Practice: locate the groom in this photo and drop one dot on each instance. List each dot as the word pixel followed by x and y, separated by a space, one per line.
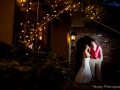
pixel 95 60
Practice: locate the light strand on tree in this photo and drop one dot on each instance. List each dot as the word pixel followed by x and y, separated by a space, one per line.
pixel 48 14
pixel 60 12
pixel 107 26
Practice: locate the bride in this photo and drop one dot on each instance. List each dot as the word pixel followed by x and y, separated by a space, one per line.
pixel 84 74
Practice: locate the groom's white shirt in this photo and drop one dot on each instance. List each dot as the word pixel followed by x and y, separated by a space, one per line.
pixel 101 53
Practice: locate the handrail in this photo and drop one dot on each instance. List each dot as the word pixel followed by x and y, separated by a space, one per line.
pixel 107 26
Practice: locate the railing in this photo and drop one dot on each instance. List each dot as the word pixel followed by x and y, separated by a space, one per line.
pixel 107 26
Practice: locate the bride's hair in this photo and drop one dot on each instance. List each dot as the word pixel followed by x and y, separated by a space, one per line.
pixel 93 40
pixel 85 46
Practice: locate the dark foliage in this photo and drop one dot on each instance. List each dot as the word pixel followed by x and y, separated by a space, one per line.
pixel 20 71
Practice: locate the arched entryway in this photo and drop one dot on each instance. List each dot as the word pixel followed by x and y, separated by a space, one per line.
pixel 79 50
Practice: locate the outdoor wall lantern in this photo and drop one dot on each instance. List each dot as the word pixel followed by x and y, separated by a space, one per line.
pixel 23 1
pixel 73 35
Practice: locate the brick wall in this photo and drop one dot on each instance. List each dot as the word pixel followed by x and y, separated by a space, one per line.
pixel 109 44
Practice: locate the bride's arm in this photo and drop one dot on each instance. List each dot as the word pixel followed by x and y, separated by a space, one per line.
pixel 87 54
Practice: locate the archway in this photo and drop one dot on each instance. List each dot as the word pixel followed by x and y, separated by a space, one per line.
pixel 79 50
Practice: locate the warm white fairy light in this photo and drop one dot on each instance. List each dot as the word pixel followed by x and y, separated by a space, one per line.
pixel 27 10
pixel 20 37
pixel 50 17
pixel 36 35
pixel 54 16
pixel 44 27
pixel 26 53
pixel 61 12
pixel 91 18
pixel 75 10
pixel 30 3
pixel 37 23
pixel 74 6
pixel 21 23
pixel 22 30
pixel 22 4
pixel 66 9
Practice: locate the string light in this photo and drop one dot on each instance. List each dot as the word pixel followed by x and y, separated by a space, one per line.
pixel 74 6
pixel 37 23
pixel 22 4
pixel 44 27
pixel 75 10
pixel 48 18
pixel 21 23
pixel 26 53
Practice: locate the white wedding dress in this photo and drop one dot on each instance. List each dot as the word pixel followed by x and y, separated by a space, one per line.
pixel 84 74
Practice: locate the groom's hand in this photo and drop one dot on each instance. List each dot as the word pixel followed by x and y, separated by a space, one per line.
pixel 101 59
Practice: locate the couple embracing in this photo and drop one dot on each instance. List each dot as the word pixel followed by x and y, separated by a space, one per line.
pixel 92 57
